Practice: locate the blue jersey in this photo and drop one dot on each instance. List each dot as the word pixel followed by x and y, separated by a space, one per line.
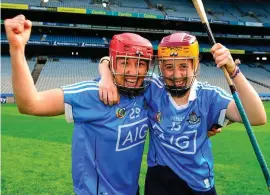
pixel 108 141
pixel 178 134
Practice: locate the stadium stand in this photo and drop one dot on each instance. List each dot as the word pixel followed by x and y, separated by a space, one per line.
pixel 155 44
pixel 76 39
pixel 66 38
pixel 227 11
pixel 6 84
pixel 59 71
pixel 132 4
pixel 29 2
pixel 217 11
pixel 64 71
pixel 177 8
pixel 75 4
pixel 105 40
pixel 134 10
pixel 259 14
pixel 212 75
pixel 257 74
pixel 56 3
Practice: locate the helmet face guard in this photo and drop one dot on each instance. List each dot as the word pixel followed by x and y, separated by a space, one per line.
pixel 178 86
pixel 131 63
pixel 178 49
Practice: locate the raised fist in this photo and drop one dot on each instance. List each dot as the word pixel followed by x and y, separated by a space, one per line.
pixel 18 31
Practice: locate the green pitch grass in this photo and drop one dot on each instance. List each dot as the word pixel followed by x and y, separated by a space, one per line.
pixel 36 156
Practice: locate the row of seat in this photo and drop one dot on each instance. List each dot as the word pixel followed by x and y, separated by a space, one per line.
pixel 229 11
pixel 105 40
pixel 71 70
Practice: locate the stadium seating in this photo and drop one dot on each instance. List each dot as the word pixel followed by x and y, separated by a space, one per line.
pixel 131 3
pixel 66 38
pixel 218 12
pixel 66 71
pixel 6 82
pixel 55 3
pixel 227 11
pixel 257 74
pixel 76 39
pixel 214 76
pixel 259 13
pixel 155 44
pixel 29 2
pixel 104 40
pixel 176 8
pixel 76 4
pixel 35 37
pixel 70 70
pixel 135 10
pixel 3 36
pixel 264 48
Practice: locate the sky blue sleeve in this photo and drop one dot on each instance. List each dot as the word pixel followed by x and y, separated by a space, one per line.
pixel 82 102
pixel 154 89
pixel 220 100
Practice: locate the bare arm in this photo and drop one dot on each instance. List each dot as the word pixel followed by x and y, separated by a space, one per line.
pixel 29 100
pixel 108 92
pixel 104 67
pixel 250 99
pixel 251 102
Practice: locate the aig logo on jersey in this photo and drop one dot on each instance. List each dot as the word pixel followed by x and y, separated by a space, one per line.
pixel 130 135
pixel 184 142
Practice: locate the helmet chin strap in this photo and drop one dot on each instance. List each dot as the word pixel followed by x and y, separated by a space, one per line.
pixel 130 92
pixel 177 92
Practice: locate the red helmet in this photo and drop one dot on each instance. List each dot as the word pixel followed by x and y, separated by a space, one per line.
pixel 130 45
pixel 179 46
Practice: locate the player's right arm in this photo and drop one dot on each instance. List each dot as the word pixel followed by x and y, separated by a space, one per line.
pixel 28 99
pixel 108 92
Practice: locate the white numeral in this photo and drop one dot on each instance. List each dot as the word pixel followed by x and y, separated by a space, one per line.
pixel 176 126
pixel 135 113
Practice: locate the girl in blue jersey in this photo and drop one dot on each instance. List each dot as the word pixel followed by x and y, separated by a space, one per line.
pixel 108 141
pixel 181 110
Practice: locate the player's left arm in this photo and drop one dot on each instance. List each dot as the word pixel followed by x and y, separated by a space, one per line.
pixel 249 97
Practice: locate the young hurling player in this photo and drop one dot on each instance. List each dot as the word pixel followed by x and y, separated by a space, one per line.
pixel 181 110
pixel 108 142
